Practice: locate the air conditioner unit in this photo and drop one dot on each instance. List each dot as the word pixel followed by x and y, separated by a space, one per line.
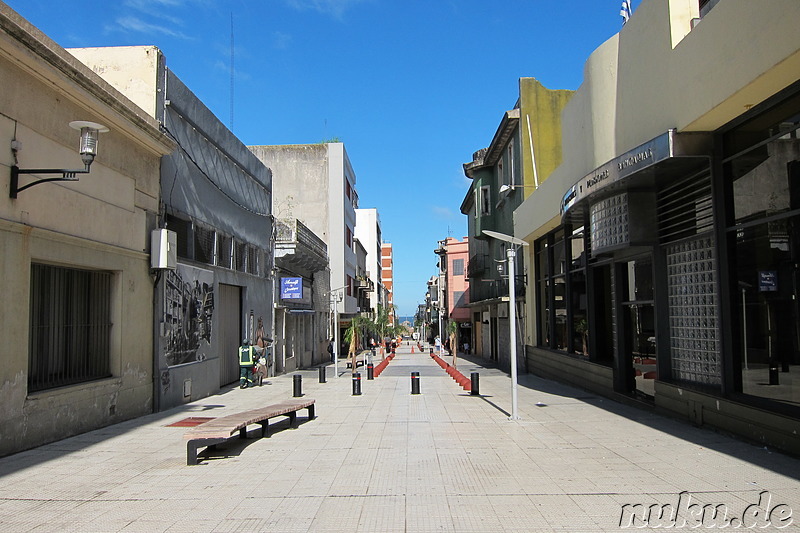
pixel 163 249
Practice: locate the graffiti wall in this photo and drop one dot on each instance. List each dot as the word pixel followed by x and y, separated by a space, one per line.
pixel 188 311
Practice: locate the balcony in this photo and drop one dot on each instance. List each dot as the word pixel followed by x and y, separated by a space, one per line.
pixel 296 246
pixel 492 289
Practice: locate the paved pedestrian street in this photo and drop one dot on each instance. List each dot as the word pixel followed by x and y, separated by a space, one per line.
pixel 390 461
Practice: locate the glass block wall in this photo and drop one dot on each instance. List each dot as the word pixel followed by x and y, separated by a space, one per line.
pixel 608 220
pixel 693 317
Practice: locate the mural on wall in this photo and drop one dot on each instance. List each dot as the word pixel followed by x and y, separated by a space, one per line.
pixel 188 309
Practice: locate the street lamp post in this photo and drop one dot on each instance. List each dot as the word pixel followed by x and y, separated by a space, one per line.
pixel 337 297
pixel 512 310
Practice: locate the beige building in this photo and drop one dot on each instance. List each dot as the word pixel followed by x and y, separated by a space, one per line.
pixel 76 317
pixel 664 249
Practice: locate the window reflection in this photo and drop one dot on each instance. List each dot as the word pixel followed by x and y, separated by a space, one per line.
pixel 764 175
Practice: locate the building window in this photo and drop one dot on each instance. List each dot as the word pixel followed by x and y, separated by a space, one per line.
pixel 224 251
pixel 458 299
pixel 70 326
pixel 512 177
pixel 762 172
pixel 458 267
pixel 485 200
pixel 349 237
pixel 561 291
pixel 204 244
pixel 347 188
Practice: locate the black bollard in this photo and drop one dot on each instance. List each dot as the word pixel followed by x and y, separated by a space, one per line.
pixel 370 371
pixel 475 385
pixel 322 376
pixel 298 385
pixel 431 352
pixel 773 374
pixel 357 384
pixel 415 383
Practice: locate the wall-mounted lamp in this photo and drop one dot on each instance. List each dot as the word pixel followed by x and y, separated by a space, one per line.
pixel 506 187
pixel 88 149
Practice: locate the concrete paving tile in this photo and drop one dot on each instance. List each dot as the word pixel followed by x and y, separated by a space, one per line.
pixel 390 461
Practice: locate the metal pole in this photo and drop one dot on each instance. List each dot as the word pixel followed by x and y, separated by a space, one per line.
pixel 512 317
pixel 336 335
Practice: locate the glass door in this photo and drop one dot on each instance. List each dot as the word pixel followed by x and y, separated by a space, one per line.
pixel 639 325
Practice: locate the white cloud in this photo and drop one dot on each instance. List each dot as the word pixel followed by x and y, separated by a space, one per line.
pixel 281 41
pixel 334 8
pixel 442 212
pixel 134 24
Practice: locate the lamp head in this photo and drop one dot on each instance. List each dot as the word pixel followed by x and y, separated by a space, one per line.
pixel 90 131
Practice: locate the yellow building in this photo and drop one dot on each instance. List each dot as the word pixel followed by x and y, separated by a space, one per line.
pixel 664 249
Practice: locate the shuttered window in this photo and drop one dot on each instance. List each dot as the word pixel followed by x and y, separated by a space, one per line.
pixel 70 326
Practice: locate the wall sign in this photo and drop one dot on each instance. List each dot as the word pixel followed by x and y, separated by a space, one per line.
pixel 291 288
pixel 767 280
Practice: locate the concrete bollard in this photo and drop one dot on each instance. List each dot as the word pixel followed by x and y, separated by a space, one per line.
pixel 415 383
pixel 322 375
pixel 298 385
pixel 357 384
pixel 474 386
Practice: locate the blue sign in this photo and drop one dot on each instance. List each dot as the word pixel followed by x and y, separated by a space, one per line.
pixel 291 288
pixel 767 280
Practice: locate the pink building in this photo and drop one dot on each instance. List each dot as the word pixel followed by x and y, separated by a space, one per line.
pixel 457 254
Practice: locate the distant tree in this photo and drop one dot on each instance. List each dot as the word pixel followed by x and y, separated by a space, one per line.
pixel 452 329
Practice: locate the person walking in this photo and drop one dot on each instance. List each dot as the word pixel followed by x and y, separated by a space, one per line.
pixel 247 356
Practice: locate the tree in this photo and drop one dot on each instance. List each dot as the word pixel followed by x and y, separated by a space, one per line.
pixel 452 329
pixel 354 334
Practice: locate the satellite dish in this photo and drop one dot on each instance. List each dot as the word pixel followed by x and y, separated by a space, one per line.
pixel 503 237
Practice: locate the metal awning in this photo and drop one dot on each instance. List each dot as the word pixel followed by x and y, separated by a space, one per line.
pixel 669 154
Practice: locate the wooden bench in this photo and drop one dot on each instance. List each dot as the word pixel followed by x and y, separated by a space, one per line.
pixel 221 429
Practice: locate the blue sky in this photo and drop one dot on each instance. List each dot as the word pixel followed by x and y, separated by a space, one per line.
pixel 411 87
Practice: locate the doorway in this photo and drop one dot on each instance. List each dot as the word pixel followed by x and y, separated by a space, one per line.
pixel 637 334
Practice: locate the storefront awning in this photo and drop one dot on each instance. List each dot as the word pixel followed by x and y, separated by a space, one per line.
pixel 670 154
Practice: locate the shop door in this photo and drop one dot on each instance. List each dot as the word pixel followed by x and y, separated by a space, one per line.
pixel 637 331
pixel 230 332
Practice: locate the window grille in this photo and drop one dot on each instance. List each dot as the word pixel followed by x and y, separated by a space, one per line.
pixel 224 251
pixel 204 245
pixel 240 256
pixel 70 326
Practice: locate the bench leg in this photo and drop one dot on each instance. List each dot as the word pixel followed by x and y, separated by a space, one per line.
pixel 193 445
pixel 243 433
pixel 191 453
pixel 264 428
pixel 292 418
pixel 311 412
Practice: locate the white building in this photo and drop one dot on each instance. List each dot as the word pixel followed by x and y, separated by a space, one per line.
pixel 315 184
pixel 368 232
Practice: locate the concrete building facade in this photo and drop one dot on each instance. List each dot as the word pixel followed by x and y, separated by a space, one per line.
pixel 216 197
pixel 368 232
pixel 316 184
pixel 387 278
pixel 77 312
pixel 524 149
pixel 663 249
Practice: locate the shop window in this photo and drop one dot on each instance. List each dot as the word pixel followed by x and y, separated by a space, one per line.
pixel 70 326
pixel 763 173
pixel 561 292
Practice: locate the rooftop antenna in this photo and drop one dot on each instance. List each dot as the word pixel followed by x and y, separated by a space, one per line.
pixel 231 122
